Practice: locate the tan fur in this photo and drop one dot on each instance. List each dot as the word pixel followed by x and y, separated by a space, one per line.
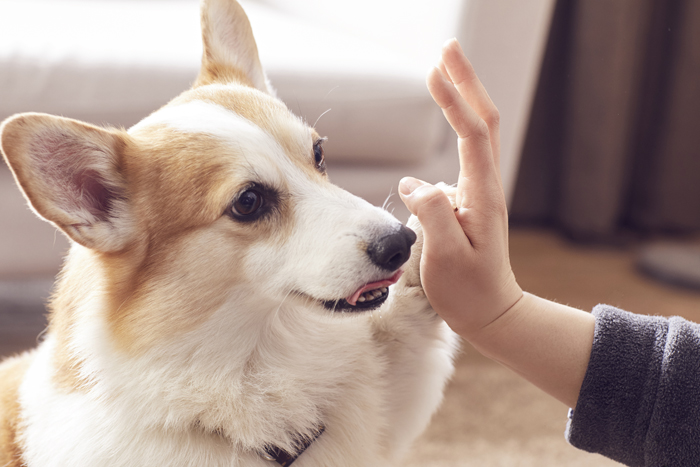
pixel 70 289
pixel 61 322
pixel 11 373
pixel 217 73
pixel 264 111
pixel 217 68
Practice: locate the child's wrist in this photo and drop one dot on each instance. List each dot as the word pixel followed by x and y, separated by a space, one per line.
pixel 489 335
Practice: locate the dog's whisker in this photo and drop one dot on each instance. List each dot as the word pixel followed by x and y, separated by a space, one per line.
pixel 319 117
pixel 329 92
pixel 387 203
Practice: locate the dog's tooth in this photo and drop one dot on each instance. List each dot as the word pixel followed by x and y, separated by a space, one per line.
pixel 361 298
pixel 384 289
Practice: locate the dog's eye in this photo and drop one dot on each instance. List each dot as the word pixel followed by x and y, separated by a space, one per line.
pixel 247 204
pixel 319 157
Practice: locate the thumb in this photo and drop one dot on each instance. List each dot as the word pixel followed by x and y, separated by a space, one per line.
pixel 431 206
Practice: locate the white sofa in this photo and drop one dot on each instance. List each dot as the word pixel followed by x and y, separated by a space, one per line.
pixel 115 61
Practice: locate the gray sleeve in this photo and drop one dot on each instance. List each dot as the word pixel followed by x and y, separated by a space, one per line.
pixel 640 399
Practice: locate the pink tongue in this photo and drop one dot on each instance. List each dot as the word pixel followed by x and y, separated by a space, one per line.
pixel 352 299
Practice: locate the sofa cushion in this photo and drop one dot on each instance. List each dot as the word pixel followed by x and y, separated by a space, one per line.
pixel 114 62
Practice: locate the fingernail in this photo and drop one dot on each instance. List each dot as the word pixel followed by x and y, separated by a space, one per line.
pixel 408 185
pixel 448 43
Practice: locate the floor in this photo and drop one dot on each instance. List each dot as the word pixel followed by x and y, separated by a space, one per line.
pixel 490 417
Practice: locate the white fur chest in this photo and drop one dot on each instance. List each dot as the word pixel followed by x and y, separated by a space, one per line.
pixel 179 407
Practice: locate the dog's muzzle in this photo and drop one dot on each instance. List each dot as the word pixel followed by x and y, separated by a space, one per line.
pixel 388 253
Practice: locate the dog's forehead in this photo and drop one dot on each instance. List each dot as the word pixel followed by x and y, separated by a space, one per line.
pixel 253 123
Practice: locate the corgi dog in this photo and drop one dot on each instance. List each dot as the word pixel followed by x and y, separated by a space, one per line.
pixel 222 303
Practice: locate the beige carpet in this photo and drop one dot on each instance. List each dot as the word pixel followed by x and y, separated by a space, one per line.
pixel 490 416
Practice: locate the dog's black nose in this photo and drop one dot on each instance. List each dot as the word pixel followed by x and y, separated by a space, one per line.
pixel 393 250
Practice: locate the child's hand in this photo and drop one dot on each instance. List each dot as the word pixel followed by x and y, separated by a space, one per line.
pixel 465 268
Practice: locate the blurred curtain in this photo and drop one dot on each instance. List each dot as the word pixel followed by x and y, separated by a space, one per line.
pixel 614 139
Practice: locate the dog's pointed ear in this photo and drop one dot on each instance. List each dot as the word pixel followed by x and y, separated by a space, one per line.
pixel 70 172
pixel 230 53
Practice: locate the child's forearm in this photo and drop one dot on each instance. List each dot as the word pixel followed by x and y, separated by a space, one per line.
pixel 547 343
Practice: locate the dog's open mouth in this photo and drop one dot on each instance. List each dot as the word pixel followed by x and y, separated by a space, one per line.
pixel 367 297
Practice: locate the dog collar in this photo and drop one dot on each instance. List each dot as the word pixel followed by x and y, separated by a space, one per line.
pixel 282 457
